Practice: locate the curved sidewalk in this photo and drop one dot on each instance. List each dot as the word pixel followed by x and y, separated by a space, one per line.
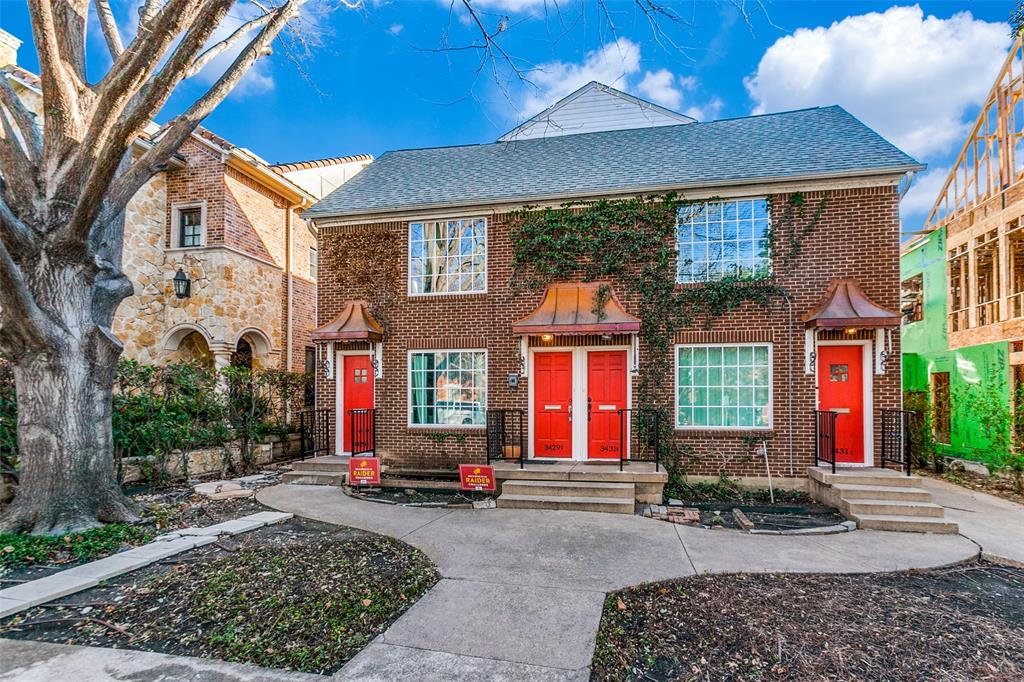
pixel 522 590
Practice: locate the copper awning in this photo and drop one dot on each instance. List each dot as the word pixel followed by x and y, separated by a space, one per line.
pixel 355 323
pixel 568 309
pixel 845 305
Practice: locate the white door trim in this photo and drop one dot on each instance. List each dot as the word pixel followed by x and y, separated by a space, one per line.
pixel 580 376
pixel 339 396
pixel 868 380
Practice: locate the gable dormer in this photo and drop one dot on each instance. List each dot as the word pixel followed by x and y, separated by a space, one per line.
pixel 594 108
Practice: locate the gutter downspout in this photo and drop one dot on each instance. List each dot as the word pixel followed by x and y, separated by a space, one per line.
pixel 789 379
pixel 288 274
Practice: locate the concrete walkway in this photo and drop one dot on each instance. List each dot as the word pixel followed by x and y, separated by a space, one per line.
pixel 522 590
pixel 997 525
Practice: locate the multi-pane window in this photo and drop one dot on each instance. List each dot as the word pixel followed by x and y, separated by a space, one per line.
pixel 447 388
pixel 719 239
pixel 314 261
pixel 723 386
pixel 448 256
pixel 190 226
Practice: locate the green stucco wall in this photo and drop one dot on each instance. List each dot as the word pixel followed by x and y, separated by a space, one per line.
pixel 926 349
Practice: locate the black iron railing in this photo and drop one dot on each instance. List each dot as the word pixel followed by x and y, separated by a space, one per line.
pixel 314 433
pixel 506 436
pixel 640 436
pixel 897 440
pixel 825 437
pixel 362 424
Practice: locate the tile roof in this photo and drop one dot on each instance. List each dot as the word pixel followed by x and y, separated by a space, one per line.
pixel 319 163
pixel 819 142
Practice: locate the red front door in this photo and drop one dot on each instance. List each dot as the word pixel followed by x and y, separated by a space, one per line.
pixel 841 389
pixel 358 391
pixel 606 395
pixel 552 405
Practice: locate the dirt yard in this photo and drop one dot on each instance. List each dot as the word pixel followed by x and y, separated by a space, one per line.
pixel 962 623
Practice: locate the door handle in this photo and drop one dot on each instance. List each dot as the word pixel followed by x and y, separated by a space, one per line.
pixel 588 408
pixel 570 413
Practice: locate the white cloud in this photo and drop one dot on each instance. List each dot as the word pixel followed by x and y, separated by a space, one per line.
pixel 509 5
pixel 661 88
pixel 922 194
pixel 616 64
pixel 910 77
pixel 395 29
pixel 610 64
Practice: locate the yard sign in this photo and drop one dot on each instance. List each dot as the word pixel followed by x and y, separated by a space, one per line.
pixel 477 477
pixel 364 471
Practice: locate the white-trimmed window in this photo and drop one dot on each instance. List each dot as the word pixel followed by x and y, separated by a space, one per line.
pixel 719 239
pixel 447 387
pixel 314 261
pixel 724 386
pixel 188 225
pixel 448 256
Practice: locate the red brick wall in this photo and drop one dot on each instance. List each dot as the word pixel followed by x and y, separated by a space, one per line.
pixel 857 236
pixel 202 179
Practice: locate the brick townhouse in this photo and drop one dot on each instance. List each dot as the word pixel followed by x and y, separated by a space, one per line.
pixel 227 226
pixel 422 330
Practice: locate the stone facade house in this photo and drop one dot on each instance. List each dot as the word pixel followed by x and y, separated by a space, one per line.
pixel 432 355
pixel 230 223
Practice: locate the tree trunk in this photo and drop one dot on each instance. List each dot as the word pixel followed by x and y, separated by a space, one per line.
pixel 67 480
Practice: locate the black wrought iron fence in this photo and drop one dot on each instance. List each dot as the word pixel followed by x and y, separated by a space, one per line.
pixel 362 425
pixel 825 437
pixel 506 435
pixel 314 433
pixel 897 438
pixel 640 436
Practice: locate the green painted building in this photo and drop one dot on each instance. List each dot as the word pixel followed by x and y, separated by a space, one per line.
pixel 930 367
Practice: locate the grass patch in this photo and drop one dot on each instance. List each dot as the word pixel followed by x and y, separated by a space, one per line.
pixel 22 549
pixel 960 623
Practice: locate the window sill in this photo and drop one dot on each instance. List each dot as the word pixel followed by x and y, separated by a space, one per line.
pixel 428 429
pixel 468 296
pixel 726 431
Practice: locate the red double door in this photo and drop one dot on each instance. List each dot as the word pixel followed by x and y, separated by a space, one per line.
pixel 559 411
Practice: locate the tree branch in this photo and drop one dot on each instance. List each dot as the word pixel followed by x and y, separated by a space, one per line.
pixel 170 139
pixel 18 171
pixel 23 119
pixel 25 326
pixel 60 95
pixel 214 51
pixel 71 16
pixel 14 232
pixel 146 103
pixel 109 26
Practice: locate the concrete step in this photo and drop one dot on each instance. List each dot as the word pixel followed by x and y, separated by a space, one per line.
pixel 849 491
pixel 569 489
pixel 334 465
pixel 893 508
pixel 880 477
pixel 314 478
pixel 615 505
pixel 912 524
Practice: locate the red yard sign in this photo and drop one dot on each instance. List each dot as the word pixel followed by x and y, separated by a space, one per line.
pixel 477 477
pixel 364 471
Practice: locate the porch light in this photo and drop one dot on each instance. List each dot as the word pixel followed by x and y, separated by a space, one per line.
pixel 851 330
pixel 546 337
pixel 182 284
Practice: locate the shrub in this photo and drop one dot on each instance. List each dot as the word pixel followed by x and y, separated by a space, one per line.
pixel 8 423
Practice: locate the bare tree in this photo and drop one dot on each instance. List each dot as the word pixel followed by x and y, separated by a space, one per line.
pixel 63 191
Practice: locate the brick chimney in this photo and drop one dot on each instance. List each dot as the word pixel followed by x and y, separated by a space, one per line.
pixel 8 49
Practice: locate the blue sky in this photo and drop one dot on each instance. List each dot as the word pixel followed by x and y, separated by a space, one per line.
pixel 914 72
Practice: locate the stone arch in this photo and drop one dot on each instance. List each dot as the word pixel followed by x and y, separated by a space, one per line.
pixel 257 339
pixel 176 334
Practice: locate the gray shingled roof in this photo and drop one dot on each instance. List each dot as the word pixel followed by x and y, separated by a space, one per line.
pixel 819 142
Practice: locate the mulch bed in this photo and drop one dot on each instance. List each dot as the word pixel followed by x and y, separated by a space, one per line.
pixel 766 516
pixel 300 595
pixel 421 496
pixel 1000 486
pixel 959 623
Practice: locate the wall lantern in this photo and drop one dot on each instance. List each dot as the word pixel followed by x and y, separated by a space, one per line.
pixel 182 284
